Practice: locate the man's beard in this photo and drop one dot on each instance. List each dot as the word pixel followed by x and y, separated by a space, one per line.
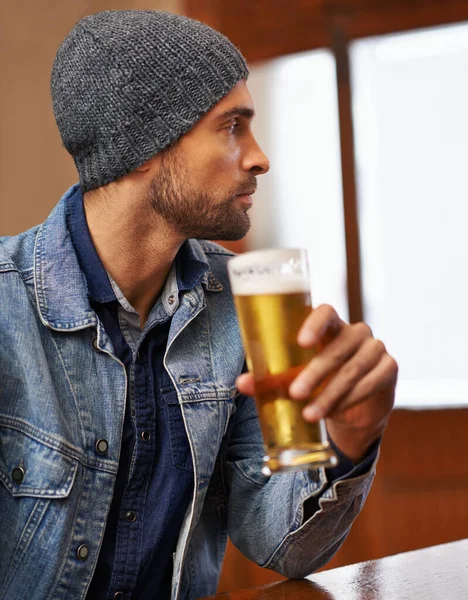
pixel 194 213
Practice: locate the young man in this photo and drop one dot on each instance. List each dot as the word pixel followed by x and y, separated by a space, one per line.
pixel 129 446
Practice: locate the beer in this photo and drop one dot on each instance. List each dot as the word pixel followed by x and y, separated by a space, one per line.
pixel 272 297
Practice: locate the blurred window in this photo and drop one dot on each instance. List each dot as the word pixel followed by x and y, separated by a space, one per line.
pixel 410 108
pixel 410 105
pixel 299 203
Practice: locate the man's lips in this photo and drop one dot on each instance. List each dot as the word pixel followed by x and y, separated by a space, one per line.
pixel 249 192
pixel 246 198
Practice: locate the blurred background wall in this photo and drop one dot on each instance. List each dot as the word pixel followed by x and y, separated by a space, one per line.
pixel 362 110
pixel 34 168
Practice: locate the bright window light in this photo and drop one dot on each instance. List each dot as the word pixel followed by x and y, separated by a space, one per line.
pixel 411 125
pixel 299 203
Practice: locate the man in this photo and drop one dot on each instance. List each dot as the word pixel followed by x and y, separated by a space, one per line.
pixel 130 447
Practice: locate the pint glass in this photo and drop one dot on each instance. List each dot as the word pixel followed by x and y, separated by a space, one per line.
pixel 272 296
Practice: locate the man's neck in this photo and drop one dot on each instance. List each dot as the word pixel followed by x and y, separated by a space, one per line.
pixel 136 247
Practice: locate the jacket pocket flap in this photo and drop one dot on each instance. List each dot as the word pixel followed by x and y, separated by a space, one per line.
pixel 30 468
pixel 189 395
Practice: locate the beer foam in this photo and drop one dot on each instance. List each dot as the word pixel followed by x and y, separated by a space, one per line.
pixel 275 271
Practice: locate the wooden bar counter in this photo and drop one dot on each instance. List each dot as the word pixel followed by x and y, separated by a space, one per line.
pixel 435 573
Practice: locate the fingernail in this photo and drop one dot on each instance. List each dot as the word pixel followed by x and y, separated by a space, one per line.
pixel 312 413
pixel 298 388
pixel 306 337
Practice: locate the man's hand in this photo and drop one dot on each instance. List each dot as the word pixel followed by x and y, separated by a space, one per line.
pixel 359 395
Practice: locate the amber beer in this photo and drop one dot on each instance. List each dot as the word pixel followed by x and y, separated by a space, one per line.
pixel 272 297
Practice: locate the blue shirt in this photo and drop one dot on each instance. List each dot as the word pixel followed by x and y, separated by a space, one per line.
pixel 154 483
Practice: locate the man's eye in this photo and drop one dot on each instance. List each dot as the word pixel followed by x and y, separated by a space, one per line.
pixel 233 126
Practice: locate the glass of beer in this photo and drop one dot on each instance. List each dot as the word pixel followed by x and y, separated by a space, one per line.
pixel 272 296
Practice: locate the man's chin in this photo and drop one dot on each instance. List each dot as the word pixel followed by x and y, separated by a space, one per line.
pixel 231 234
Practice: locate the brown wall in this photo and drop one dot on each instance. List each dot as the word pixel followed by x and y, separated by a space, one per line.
pixel 34 168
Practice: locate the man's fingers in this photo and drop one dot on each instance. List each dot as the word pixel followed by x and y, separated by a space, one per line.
pixel 381 379
pixel 330 359
pixel 245 384
pixel 347 378
pixel 378 383
pixel 321 320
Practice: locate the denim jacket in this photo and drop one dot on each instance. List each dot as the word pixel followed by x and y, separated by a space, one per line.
pixel 62 389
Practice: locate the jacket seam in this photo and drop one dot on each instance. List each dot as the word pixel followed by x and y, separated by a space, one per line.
pixel 6 267
pixel 68 451
pixel 261 485
pixel 214 249
pixel 38 269
pixel 65 563
pixel 25 275
pixel 212 364
pixel 75 400
pixel 40 506
pixel 202 397
pixel 219 252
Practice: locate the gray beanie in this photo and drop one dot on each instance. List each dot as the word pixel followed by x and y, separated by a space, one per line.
pixel 126 84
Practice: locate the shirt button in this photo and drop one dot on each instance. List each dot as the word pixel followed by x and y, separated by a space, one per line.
pixel 130 516
pixel 171 299
pixel 82 552
pixel 145 436
pixel 119 595
pixel 18 475
pixel 102 446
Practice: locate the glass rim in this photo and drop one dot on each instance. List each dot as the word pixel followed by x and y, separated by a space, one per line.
pixel 267 256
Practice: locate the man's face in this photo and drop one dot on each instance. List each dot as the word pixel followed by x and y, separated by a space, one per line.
pixel 204 182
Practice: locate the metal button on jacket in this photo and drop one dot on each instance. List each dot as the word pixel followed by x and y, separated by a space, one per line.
pixel 82 552
pixel 131 516
pixel 18 475
pixel 145 436
pixel 171 299
pixel 119 595
pixel 102 446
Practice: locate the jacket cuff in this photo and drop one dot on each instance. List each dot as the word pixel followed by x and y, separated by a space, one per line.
pixel 346 469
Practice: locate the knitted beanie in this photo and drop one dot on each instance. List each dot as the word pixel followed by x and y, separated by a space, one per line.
pixel 126 84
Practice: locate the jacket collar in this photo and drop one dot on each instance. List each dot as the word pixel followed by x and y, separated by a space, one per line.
pixel 61 288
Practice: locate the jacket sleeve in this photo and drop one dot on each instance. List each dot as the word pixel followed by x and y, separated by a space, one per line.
pixel 266 514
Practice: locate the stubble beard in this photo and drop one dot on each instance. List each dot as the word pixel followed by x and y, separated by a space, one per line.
pixel 194 213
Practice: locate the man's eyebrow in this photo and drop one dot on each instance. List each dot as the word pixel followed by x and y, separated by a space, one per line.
pixel 237 111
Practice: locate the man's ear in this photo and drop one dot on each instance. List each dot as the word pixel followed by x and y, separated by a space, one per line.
pixel 145 170
pixel 146 166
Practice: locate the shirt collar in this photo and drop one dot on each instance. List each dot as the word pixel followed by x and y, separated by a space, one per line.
pixel 61 289
pixel 99 286
pixel 190 270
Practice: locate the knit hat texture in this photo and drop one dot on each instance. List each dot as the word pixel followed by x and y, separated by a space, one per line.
pixel 126 84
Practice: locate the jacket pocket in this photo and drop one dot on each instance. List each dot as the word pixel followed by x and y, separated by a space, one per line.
pixel 35 480
pixel 30 468
pixel 211 418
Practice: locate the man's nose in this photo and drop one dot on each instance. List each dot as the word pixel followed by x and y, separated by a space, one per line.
pixel 256 160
